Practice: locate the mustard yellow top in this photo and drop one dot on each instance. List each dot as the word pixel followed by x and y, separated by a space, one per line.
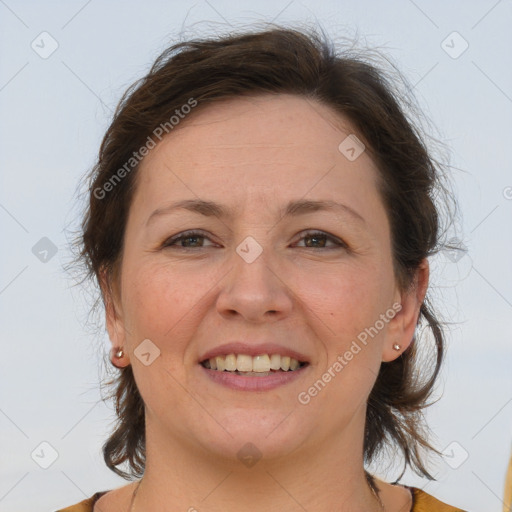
pixel 422 502
pixel 507 504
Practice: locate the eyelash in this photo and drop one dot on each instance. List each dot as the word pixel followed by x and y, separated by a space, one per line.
pixel 308 234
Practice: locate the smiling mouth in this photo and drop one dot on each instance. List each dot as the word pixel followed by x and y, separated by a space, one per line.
pixel 258 366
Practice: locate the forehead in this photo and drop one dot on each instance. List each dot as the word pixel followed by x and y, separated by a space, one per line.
pixel 282 121
pixel 261 145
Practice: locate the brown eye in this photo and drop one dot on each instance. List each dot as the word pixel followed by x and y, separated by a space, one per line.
pixel 320 240
pixel 187 240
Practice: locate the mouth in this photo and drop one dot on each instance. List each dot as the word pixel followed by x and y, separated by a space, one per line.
pixel 261 365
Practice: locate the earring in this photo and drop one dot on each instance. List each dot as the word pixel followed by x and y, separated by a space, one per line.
pixel 397 347
pixel 118 353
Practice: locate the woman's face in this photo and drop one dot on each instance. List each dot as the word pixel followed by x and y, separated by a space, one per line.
pixel 289 255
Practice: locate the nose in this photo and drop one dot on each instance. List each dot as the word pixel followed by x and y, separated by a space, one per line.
pixel 254 291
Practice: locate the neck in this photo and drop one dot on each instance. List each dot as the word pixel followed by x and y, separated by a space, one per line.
pixel 317 479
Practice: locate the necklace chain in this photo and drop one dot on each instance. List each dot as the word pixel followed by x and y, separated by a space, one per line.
pixel 377 497
pixel 132 502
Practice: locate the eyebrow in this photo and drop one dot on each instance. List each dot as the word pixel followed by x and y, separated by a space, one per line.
pixel 293 208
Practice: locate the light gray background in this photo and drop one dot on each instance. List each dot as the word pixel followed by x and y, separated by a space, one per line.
pixel 53 114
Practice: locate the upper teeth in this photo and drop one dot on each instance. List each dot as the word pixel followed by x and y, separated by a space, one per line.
pixel 246 363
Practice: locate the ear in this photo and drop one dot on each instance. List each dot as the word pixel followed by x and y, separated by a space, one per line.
pixel 114 320
pixel 401 328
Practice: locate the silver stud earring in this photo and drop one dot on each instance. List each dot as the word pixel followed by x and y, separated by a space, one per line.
pixel 119 354
pixel 397 347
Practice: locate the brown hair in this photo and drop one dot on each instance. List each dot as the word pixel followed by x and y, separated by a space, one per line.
pixel 279 61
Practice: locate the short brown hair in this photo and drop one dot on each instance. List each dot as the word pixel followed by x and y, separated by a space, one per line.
pixel 280 60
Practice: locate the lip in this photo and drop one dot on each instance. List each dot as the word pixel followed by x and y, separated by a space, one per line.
pixel 253 349
pixel 242 383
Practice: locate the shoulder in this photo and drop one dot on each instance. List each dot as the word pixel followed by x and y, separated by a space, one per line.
pixel 423 502
pixel 84 506
pixel 115 500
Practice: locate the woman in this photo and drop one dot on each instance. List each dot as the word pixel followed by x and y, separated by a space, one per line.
pixel 259 223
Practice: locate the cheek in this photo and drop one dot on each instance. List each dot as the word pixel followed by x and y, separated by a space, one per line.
pixel 166 302
pixel 344 307
pixel 155 299
pixel 346 299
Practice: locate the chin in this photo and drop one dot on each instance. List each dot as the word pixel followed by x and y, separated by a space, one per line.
pixel 251 435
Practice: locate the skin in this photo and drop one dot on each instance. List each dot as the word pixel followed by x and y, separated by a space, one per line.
pixel 253 155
